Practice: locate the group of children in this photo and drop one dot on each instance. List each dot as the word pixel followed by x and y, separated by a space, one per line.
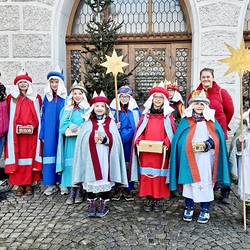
pixel 90 146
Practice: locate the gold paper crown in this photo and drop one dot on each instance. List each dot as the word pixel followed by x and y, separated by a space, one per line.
pixel 22 72
pixel 171 85
pixel 79 85
pixel 199 96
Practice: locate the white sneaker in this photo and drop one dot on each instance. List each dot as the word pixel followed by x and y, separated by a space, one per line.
pixel 64 190
pixel 50 190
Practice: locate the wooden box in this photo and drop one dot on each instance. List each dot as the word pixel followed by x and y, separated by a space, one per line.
pixel 151 146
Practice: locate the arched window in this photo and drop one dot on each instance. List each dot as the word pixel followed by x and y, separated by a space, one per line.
pixel 155 37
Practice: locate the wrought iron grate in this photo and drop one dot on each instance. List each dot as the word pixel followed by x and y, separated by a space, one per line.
pixel 165 17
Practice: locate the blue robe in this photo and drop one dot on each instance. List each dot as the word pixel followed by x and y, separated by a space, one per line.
pixel 66 145
pixel 183 168
pixel 49 133
pixel 128 122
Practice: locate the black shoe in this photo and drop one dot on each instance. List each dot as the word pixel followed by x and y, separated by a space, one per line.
pixel 226 199
pixel 117 195
pixel 127 195
pixel 157 205
pixel 148 206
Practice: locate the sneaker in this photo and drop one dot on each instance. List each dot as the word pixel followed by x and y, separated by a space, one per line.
pixel 117 195
pixel 127 195
pixel 5 186
pixel 79 195
pixel 157 207
pixel 103 209
pixel 148 206
pixel 188 214
pixel 91 207
pixel 50 190
pixel 64 190
pixel 204 216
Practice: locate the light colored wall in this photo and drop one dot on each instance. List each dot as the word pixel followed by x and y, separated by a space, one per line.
pixel 215 23
pixel 32 37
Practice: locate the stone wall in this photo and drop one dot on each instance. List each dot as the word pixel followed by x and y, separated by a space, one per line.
pixel 25 38
pixel 215 23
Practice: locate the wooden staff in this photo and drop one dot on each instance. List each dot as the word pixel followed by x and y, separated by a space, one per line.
pixel 116 98
pixel 242 153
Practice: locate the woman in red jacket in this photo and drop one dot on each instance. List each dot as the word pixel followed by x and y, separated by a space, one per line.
pixel 222 103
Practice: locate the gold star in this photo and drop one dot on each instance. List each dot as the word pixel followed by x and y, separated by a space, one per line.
pixel 114 64
pixel 239 60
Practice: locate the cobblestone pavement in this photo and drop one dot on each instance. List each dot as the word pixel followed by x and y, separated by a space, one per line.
pixel 40 222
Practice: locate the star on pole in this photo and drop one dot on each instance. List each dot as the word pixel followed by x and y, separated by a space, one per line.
pixel 239 59
pixel 114 64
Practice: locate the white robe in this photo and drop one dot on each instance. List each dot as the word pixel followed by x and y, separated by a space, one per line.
pixel 101 185
pixel 246 169
pixel 202 191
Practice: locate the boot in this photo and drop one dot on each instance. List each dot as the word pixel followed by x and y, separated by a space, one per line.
pixel 226 199
pixel 103 208
pixel 72 195
pixel 91 207
pixel 248 215
pixel 79 196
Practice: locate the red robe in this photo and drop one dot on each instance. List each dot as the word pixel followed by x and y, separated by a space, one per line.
pixel 23 160
pixel 221 102
pixel 154 185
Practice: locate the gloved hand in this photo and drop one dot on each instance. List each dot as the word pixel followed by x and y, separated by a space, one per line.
pixel 209 144
pixel 73 127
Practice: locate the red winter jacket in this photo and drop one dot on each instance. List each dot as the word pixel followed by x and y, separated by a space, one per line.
pixel 222 102
pixel 4 120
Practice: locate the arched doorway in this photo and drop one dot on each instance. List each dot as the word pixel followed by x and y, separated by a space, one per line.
pixel 156 39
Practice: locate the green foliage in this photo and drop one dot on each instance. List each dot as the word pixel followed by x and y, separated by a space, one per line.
pixel 101 40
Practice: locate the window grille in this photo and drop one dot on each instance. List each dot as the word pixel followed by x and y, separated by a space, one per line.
pixel 138 16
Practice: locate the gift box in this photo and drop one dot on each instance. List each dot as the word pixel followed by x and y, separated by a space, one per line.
pixel 28 129
pixel 151 146
pixel 198 146
pixel 68 132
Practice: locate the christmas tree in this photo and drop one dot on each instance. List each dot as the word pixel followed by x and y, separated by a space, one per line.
pixel 102 38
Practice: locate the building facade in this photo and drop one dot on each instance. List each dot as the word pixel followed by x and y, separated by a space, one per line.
pixel 37 35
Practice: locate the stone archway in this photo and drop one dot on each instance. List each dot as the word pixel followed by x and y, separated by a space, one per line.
pixel 61 20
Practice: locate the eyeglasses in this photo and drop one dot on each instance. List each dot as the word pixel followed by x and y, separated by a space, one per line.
pixel 158 97
pixel 124 96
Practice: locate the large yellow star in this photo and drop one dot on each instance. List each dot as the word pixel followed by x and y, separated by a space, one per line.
pixel 114 64
pixel 239 60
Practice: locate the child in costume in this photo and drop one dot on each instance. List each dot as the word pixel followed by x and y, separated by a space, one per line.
pixel 129 116
pixel 198 159
pixel 70 121
pixel 99 158
pixel 23 151
pixel 151 168
pixel 175 100
pixel 235 162
pixel 53 102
